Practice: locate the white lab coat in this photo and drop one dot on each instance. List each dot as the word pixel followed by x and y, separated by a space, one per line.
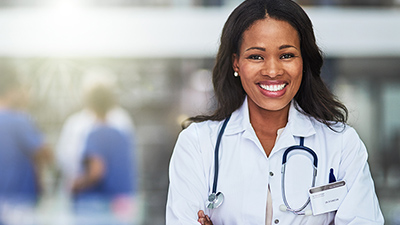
pixel 245 173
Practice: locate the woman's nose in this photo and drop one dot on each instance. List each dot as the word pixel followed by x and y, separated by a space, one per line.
pixel 272 68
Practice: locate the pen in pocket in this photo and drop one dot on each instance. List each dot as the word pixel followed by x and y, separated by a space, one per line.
pixel 331 176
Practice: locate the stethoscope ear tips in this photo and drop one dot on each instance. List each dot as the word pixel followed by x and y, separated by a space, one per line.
pixel 215 200
pixel 308 212
pixel 284 208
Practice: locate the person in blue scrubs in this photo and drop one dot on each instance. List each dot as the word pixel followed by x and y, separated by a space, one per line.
pixel 108 162
pixel 23 153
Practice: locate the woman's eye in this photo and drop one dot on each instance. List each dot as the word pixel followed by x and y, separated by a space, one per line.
pixel 256 57
pixel 287 56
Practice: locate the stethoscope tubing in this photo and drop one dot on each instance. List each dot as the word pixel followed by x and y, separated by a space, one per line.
pixel 300 147
pixel 216 154
pixel 298 211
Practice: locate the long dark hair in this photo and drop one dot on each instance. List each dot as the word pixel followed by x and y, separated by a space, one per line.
pixel 313 97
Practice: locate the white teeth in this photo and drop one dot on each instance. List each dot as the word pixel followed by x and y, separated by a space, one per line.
pixel 273 87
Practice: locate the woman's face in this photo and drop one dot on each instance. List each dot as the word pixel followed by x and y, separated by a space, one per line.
pixel 270 64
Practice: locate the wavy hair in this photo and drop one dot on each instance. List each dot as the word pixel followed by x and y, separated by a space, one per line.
pixel 313 96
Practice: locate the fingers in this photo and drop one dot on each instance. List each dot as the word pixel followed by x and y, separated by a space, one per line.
pixel 201 214
pixel 203 219
pixel 208 222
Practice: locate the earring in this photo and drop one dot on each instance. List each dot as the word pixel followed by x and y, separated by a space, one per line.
pixel 236 74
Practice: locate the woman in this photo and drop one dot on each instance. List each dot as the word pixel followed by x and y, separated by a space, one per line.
pixel 267 81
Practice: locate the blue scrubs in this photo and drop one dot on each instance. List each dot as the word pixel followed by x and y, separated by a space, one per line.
pixel 19 139
pixel 115 150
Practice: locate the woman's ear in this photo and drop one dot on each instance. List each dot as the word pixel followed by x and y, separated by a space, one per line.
pixel 235 62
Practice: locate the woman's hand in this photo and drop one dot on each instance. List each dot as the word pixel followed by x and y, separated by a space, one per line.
pixel 203 218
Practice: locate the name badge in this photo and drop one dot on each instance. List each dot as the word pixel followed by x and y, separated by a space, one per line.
pixel 327 198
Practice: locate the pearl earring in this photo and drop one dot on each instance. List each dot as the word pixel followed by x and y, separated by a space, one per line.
pixel 236 74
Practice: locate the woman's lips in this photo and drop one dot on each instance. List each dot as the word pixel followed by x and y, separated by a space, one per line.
pixel 273 89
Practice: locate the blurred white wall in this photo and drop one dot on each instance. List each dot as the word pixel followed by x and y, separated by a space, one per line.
pixel 71 31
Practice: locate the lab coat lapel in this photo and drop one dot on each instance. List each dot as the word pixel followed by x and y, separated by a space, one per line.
pixel 299 125
pixel 240 122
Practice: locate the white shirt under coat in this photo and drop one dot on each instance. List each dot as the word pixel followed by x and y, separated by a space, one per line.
pixel 245 173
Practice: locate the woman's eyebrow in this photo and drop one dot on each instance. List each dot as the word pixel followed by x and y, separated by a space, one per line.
pixel 255 48
pixel 286 46
pixel 263 49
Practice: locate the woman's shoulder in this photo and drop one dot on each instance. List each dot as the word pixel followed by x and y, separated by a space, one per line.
pixel 335 128
pixel 198 132
pixel 202 127
pixel 342 138
pixel 196 140
pixel 343 132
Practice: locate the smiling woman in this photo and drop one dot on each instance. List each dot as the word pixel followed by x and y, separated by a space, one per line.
pixel 268 86
pixel 270 67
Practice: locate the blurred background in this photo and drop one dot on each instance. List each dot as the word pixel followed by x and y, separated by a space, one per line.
pixel 157 55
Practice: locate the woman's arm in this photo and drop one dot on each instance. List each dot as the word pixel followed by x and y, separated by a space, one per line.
pixel 94 172
pixel 360 205
pixel 188 188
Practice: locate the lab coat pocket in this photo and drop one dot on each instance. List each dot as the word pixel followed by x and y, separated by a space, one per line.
pixel 327 198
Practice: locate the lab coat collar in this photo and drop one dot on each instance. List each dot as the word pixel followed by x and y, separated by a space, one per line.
pixel 240 120
pixel 299 125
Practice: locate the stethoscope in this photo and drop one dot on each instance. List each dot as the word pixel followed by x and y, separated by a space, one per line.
pixel 286 207
pixel 215 199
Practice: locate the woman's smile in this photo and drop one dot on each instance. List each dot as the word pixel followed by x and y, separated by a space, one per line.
pixel 273 87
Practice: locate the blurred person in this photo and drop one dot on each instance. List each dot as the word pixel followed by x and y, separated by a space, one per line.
pixel 96 153
pixel 107 177
pixel 278 149
pixel 23 153
pixel 78 125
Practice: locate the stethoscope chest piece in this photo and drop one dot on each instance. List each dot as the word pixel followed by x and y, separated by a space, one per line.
pixel 215 200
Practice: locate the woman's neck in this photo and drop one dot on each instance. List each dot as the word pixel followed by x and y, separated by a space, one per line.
pixel 266 124
pixel 264 120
